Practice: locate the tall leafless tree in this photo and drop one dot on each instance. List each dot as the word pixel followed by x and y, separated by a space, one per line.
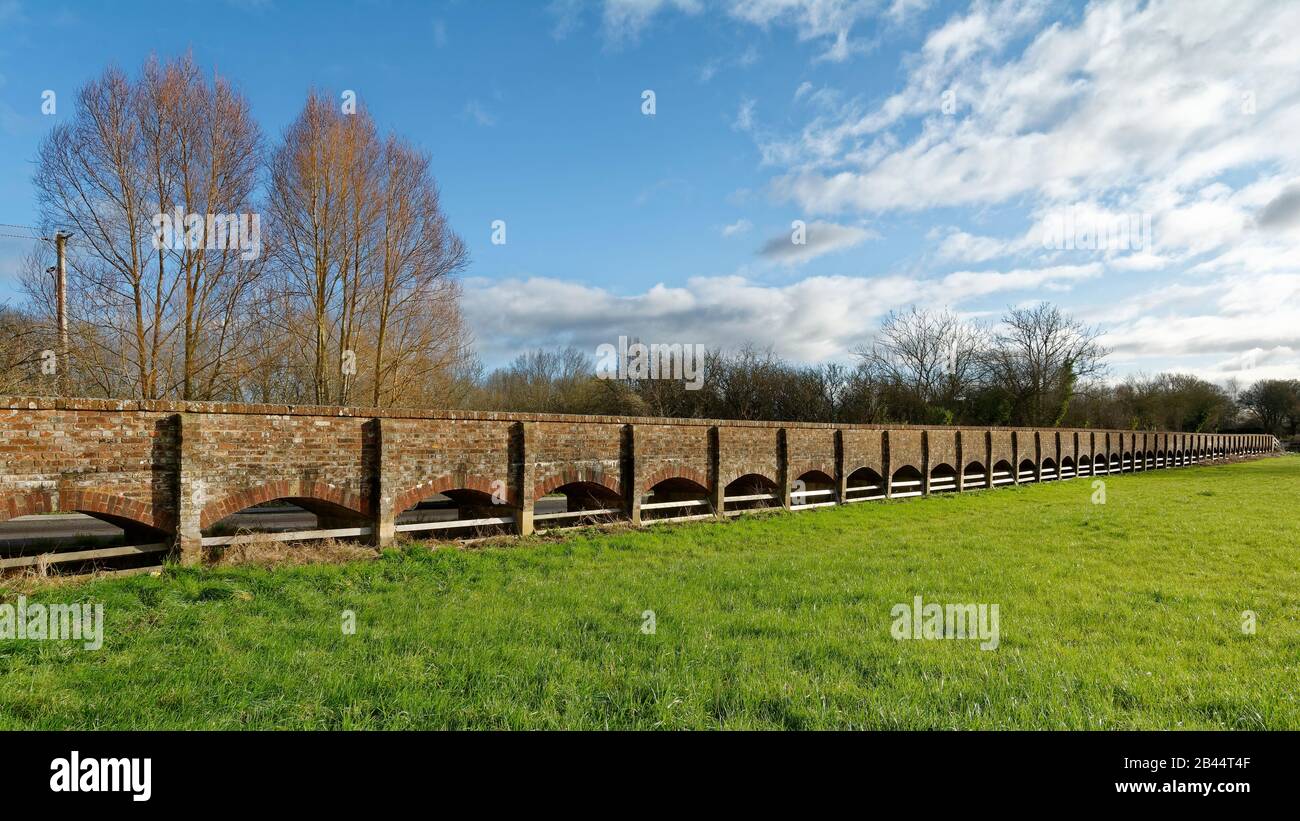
pixel 155 319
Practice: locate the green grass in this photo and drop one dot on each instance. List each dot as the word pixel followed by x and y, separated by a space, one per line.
pixel 1123 615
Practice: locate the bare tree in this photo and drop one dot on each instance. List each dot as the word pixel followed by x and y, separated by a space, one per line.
pixel 160 314
pixel 365 254
pixel 416 329
pixel 927 359
pixel 1038 357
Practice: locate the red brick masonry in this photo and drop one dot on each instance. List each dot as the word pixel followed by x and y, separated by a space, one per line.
pixel 179 467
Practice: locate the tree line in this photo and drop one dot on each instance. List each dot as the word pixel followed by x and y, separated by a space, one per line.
pixel 1037 367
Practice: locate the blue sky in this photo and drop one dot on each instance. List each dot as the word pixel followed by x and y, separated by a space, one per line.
pixel 926 146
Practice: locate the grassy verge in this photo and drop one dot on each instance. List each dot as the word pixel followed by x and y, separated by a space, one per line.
pixel 1126 614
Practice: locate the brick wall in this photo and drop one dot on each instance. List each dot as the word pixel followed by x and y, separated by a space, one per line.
pixel 178 468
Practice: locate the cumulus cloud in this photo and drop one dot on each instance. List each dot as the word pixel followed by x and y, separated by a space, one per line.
pixel 812 320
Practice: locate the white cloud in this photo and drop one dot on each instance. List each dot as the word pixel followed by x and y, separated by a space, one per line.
pixel 1129 96
pixel 745 116
pixel 901 10
pixel 820 20
pixel 812 320
pixel 624 20
pixel 740 226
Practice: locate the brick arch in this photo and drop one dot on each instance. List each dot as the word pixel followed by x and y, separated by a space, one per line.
pixel 676 472
pixel 577 475
pixel 215 511
pixel 808 467
pixel 409 498
pixel 90 502
pixel 872 468
pixel 752 472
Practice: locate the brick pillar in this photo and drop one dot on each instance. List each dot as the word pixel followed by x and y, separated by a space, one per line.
pixel 1038 457
pixel 1015 456
pixel 717 490
pixel 634 475
pixel 386 485
pixel 886 464
pixel 841 476
pixel 191 493
pixel 925 463
pixel 987 438
pixel 524 476
pixel 783 468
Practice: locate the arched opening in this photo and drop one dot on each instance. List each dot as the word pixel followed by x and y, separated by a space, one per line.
pixel 1002 473
pixel 1160 458
pixel 284 515
pixel 268 522
pixel 1067 467
pixel 1048 470
pixel 1150 459
pixel 1114 463
pixel 1127 461
pixel 1099 465
pixel 752 491
pixel 974 476
pixel 813 488
pixel 74 540
pixel 576 504
pixel 907 481
pixel 943 478
pixel 459 513
pixel 1026 472
pixel 676 499
pixel 1084 466
pixel 864 484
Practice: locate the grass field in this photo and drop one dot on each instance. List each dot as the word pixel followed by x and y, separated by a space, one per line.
pixel 1122 615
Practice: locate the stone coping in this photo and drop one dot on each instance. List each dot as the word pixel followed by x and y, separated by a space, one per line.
pixel 181 406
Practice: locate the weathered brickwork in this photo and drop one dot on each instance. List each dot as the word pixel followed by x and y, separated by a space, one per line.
pixel 864 449
pixel 1003 449
pixel 454 455
pixel 811 449
pixel 564 454
pixel 176 469
pixel 745 451
pixel 941 447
